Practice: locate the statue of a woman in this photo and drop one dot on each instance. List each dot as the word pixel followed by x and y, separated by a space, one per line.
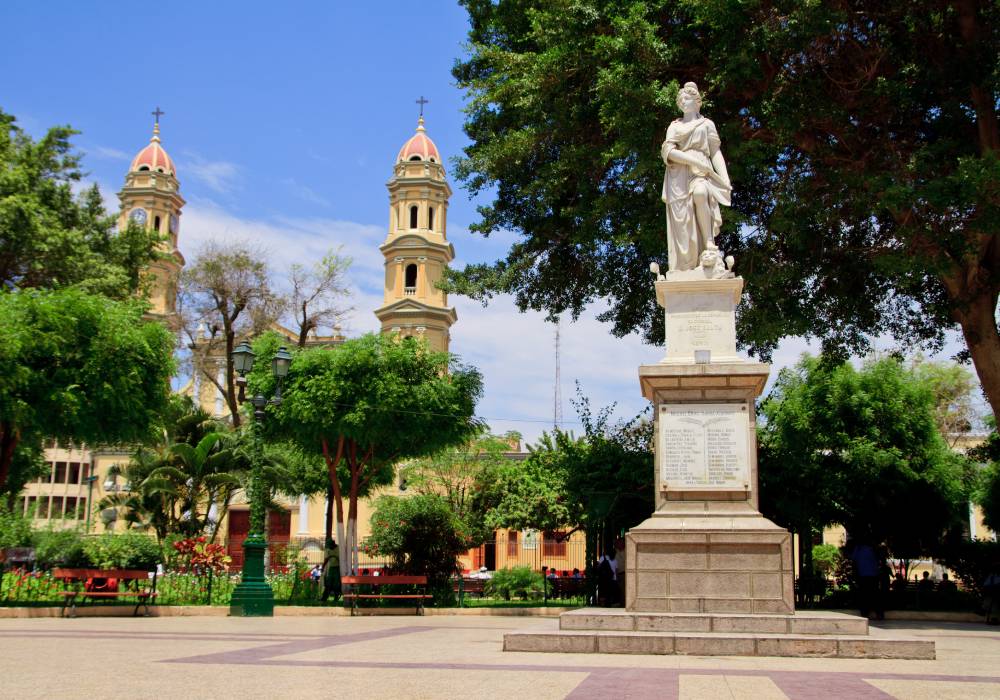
pixel 695 184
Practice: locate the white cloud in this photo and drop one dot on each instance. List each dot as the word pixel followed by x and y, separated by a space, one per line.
pixel 305 193
pixel 516 354
pixel 217 175
pixel 107 153
pixel 289 240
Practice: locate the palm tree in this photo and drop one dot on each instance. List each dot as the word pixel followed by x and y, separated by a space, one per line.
pixel 143 503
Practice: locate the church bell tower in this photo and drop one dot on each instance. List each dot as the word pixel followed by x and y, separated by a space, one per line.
pixel 151 198
pixel 416 249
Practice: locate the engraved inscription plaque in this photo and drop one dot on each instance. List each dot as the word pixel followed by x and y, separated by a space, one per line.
pixel 702 329
pixel 704 447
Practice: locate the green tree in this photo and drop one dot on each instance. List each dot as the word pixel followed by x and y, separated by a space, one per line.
pixel 859 448
pixel 601 483
pixel 49 237
pixel 531 493
pixel 366 405
pixel 986 491
pixel 953 387
pixel 862 139
pixel 989 497
pixel 460 475
pixel 422 536
pixel 78 368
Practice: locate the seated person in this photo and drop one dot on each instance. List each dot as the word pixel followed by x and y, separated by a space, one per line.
pixel 946 585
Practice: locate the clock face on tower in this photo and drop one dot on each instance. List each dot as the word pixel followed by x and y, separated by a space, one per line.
pixel 138 216
pixel 174 223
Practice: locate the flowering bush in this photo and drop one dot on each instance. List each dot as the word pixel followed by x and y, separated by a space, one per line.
pixel 197 555
pixel 20 585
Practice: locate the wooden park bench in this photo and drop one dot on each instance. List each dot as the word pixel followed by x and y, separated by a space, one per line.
pixel 568 587
pixel 96 584
pixel 377 594
pixel 468 586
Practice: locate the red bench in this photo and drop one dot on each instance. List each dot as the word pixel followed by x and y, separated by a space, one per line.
pixel 98 584
pixel 379 581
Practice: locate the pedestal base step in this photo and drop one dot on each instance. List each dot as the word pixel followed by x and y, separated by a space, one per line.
pixel 819 623
pixel 719 644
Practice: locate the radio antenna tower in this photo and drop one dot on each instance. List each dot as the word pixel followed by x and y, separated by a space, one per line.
pixel 557 417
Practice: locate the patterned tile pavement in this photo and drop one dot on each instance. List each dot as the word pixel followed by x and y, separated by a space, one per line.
pixel 443 657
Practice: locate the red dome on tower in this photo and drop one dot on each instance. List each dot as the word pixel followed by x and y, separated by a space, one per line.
pixel 153 157
pixel 419 147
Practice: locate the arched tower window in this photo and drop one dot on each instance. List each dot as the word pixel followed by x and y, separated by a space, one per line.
pixel 413 217
pixel 410 280
pixel 156 224
pixel 430 218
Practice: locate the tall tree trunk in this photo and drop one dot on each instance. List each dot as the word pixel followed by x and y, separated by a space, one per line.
pixel 328 515
pixel 352 506
pixel 8 442
pixel 332 461
pixel 231 394
pixel 979 327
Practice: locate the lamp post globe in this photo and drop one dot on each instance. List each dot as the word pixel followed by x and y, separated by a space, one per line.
pixel 281 362
pixel 243 356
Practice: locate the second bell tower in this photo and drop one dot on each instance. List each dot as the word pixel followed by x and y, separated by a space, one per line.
pixel 416 249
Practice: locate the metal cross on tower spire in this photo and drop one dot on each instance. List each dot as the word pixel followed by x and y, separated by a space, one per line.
pixel 158 113
pixel 422 102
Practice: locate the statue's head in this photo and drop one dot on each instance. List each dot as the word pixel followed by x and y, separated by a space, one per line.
pixel 689 95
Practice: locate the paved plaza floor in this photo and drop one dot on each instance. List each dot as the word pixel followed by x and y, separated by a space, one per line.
pixel 442 657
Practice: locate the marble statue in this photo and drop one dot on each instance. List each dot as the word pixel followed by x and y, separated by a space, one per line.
pixel 695 185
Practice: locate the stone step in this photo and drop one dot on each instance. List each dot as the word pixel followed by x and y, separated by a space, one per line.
pixel 719 644
pixel 820 623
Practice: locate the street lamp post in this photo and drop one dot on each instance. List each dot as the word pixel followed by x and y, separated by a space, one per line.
pixel 253 596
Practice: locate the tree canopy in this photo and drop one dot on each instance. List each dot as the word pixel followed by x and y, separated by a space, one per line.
pixel 601 482
pixel 859 448
pixel 78 368
pixel 861 139
pixel 366 405
pixel 50 237
pixel 463 475
pixel 77 362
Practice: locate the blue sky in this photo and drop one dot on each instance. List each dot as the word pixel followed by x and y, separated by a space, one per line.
pixel 283 120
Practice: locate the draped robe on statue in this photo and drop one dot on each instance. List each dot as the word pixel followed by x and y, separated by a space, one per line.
pixel 685 243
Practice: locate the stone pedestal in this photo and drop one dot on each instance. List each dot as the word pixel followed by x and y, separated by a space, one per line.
pixel 700 316
pixel 707 574
pixel 706 548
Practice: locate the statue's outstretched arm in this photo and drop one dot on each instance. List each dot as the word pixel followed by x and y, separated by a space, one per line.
pixel 719 163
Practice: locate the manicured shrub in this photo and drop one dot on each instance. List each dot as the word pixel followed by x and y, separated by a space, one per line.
pixel 421 535
pixel 127 550
pixel 826 557
pixel 59 548
pixel 519 581
pixel 15 529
